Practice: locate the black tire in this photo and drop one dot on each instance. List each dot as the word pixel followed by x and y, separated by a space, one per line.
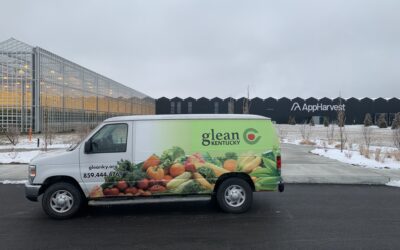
pixel 72 192
pixel 213 201
pixel 242 204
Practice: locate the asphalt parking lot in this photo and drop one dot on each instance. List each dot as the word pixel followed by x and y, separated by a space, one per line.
pixel 305 216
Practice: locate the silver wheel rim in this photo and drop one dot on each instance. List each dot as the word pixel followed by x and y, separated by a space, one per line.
pixel 235 196
pixel 61 201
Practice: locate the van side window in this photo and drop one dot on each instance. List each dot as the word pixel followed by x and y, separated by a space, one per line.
pixel 111 138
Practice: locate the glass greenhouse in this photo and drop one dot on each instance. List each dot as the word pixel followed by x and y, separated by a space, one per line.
pixel 40 89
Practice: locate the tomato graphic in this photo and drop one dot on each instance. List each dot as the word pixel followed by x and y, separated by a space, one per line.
pixel 251 136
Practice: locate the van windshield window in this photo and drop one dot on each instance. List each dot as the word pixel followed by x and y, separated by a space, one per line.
pixel 111 138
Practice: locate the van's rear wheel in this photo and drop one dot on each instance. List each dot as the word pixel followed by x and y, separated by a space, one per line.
pixel 234 195
pixel 62 200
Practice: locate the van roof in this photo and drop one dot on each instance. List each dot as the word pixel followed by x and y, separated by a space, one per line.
pixel 186 117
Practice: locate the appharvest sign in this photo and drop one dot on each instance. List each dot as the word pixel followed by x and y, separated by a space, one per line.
pixel 317 107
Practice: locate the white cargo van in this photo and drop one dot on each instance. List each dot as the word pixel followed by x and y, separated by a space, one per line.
pixel 161 158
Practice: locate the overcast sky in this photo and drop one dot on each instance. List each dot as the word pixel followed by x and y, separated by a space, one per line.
pixel 217 48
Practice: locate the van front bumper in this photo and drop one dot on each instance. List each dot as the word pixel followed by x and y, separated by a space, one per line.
pixel 32 191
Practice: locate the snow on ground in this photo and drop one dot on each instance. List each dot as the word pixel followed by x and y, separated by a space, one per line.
pixel 18 157
pixel 13 182
pixel 59 141
pixel 354 158
pixel 33 145
pixel 27 149
pixel 394 183
pixel 382 139
pixel 319 143
pixel 380 136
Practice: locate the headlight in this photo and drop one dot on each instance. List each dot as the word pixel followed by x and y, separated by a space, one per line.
pixel 31 172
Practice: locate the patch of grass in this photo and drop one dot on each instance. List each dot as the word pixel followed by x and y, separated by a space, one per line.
pixel 307 142
pixel 364 151
pixel 378 154
pixel 395 155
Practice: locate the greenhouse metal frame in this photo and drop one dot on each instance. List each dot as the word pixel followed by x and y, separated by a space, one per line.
pixel 40 90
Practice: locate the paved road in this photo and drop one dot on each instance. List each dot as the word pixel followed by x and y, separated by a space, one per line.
pixel 13 172
pixel 303 217
pixel 299 166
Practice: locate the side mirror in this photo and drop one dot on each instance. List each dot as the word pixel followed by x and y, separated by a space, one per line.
pixel 88 147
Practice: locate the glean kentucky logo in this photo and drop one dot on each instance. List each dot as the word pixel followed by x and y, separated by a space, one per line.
pixel 216 138
pixel 251 136
pixel 220 138
pixel 317 107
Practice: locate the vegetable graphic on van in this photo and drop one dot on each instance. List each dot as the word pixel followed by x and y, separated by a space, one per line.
pixel 169 176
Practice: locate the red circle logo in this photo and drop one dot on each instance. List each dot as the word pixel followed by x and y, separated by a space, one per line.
pixel 251 136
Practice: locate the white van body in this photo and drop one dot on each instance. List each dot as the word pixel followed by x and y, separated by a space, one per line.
pixel 105 167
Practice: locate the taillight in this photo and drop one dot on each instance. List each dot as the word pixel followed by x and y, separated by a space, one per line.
pixel 278 162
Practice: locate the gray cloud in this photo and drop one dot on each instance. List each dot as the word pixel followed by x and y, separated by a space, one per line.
pixel 217 48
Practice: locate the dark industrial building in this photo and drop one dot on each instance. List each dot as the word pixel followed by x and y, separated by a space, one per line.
pixel 279 110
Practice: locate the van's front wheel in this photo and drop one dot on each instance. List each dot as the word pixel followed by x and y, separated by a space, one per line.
pixel 234 195
pixel 62 200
